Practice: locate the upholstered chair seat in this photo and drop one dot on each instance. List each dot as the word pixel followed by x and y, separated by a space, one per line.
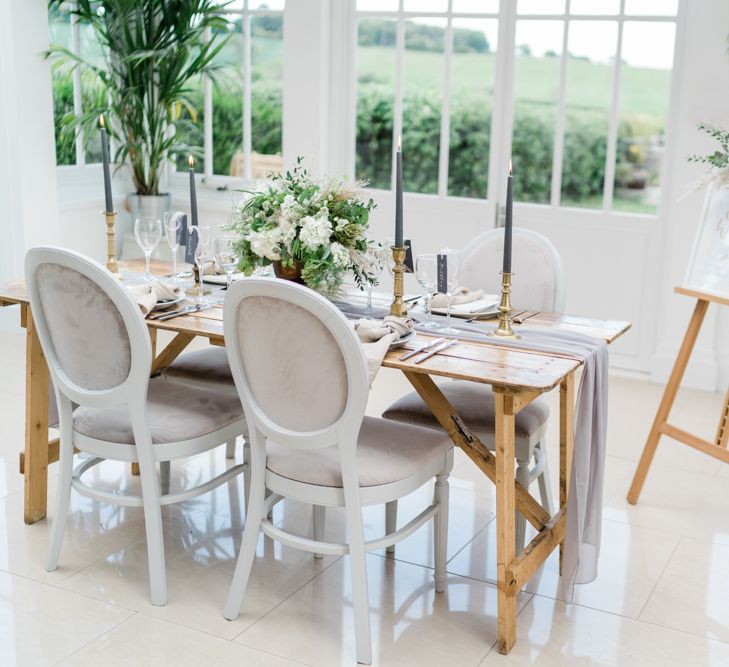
pixel 176 411
pixel 475 403
pixel 209 366
pixel 387 452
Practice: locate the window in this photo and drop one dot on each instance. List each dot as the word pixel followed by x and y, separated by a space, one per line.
pixel 237 117
pixel 591 86
pixel 425 71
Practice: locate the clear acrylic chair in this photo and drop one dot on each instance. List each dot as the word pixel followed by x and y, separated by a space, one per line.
pixel 99 354
pixel 302 377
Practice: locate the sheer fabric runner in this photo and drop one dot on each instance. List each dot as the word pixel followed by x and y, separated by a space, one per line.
pixel 584 503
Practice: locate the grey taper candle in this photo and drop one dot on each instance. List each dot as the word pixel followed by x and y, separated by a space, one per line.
pixel 398 197
pixel 193 192
pixel 508 223
pixel 108 200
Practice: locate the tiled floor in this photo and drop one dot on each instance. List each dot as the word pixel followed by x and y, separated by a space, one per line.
pixel 662 597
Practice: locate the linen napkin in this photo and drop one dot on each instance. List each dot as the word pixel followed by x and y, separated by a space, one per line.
pixel 459 296
pixel 376 336
pixel 148 294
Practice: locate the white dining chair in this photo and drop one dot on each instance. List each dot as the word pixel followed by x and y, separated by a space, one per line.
pixel 302 378
pixel 538 285
pixel 99 354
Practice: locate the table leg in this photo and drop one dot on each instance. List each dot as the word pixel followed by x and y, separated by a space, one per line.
pixel 669 395
pixel 36 424
pixel 566 444
pixel 505 508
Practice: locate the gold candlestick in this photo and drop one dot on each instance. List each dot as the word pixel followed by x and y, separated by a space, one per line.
pixel 504 329
pixel 111 242
pixel 398 305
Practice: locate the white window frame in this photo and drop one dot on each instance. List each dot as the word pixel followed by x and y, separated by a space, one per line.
pixel 502 105
pixel 207 177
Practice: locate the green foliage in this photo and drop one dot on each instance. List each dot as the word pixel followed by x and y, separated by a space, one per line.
pixel 719 158
pixel 420 37
pixel 62 106
pixel 153 50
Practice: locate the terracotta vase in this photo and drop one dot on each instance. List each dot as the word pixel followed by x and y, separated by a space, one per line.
pixel 292 273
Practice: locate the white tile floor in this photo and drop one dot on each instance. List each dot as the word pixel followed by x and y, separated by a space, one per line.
pixel 662 597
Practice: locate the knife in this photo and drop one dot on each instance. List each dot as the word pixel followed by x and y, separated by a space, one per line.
pixel 157 316
pixel 189 311
pixel 422 348
pixel 435 350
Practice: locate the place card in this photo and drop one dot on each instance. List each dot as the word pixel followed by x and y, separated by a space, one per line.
pixel 442 270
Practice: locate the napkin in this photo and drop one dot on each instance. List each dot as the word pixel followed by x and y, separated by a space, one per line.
pixel 459 296
pixel 148 294
pixel 376 336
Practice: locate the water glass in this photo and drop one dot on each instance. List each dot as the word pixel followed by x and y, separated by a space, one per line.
pixel 148 233
pixel 426 273
pixel 376 257
pixel 173 233
pixel 202 252
pixel 227 256
pixel 453 263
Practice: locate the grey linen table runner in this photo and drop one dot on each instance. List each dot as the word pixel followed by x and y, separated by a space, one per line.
pixel 584 503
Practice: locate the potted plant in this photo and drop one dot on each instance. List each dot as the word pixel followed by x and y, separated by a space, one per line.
pixel 153 52
pixel 311 232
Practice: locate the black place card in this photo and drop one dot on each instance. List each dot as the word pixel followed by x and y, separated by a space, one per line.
pixel 442 273
pixel 190 245
pixel 409 265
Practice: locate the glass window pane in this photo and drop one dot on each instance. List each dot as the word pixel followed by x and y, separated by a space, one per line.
pixel 591 47
pixel 59 28
pixel 266 94
pixel 378 5
pixel 228 103
pixel 189 124
pixel 472 90
pixel 93 94
pixel 425 6
pixel 277 5
pixel 476 6
pixel 422 99
pixel 595 7
pixel 375 100
pixel 644 89
pixel 536 88
pixel 540 7
pixel 651 7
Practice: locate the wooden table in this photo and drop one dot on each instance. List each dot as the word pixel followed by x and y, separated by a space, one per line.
pixel 517 376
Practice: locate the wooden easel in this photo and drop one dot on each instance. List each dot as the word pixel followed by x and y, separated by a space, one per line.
pixel 717 448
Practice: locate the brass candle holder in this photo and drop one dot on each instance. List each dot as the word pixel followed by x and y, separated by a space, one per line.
pixel 504 329
pixel 398 307
pixel 111 264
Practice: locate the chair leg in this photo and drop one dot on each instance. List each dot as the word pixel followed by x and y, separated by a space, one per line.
pixel 153 528
pixel 522 476
pixel 63 499
pixel 441 531
pixel 391 522
pixel 248 546
pixel 545 488
pixel 230 449
pixel 247 472
pixel 318 512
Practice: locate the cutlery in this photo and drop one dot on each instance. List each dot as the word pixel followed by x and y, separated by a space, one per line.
pixel 435 350
pixel 157 316
pixel 189 311
pixel 422 348
pixel 484 314
pixel 522 317
pixel 412 299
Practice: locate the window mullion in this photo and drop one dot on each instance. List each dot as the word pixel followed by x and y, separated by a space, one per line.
pixel 78 104
pixel 558 153
pixel 399 75
pixel 445 114
pixel 611 153
pixel 247 125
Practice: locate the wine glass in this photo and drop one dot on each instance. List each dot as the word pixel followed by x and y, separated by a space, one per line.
pixel 173 231
pixel 453 266
pixel 148 233
pixel 227 257
pixel 376 257
pixel 202 248
pixel 426 273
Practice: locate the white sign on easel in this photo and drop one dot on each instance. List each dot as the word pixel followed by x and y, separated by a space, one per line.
pixel 708 267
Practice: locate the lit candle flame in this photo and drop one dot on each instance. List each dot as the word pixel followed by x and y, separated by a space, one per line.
pixel 191 161
pixel 509 167
pixel 399 142
pixel 101 120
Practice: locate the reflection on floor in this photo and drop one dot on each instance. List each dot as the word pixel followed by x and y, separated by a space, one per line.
pixel 662 597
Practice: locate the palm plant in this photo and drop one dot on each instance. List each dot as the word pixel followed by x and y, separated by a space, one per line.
pixel 154 52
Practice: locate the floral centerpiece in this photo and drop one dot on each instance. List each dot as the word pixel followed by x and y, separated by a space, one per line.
pixel 312 232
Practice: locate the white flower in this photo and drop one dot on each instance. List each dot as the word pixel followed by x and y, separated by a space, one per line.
pixel 315 232
pixel 340 255
pixel 265 243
